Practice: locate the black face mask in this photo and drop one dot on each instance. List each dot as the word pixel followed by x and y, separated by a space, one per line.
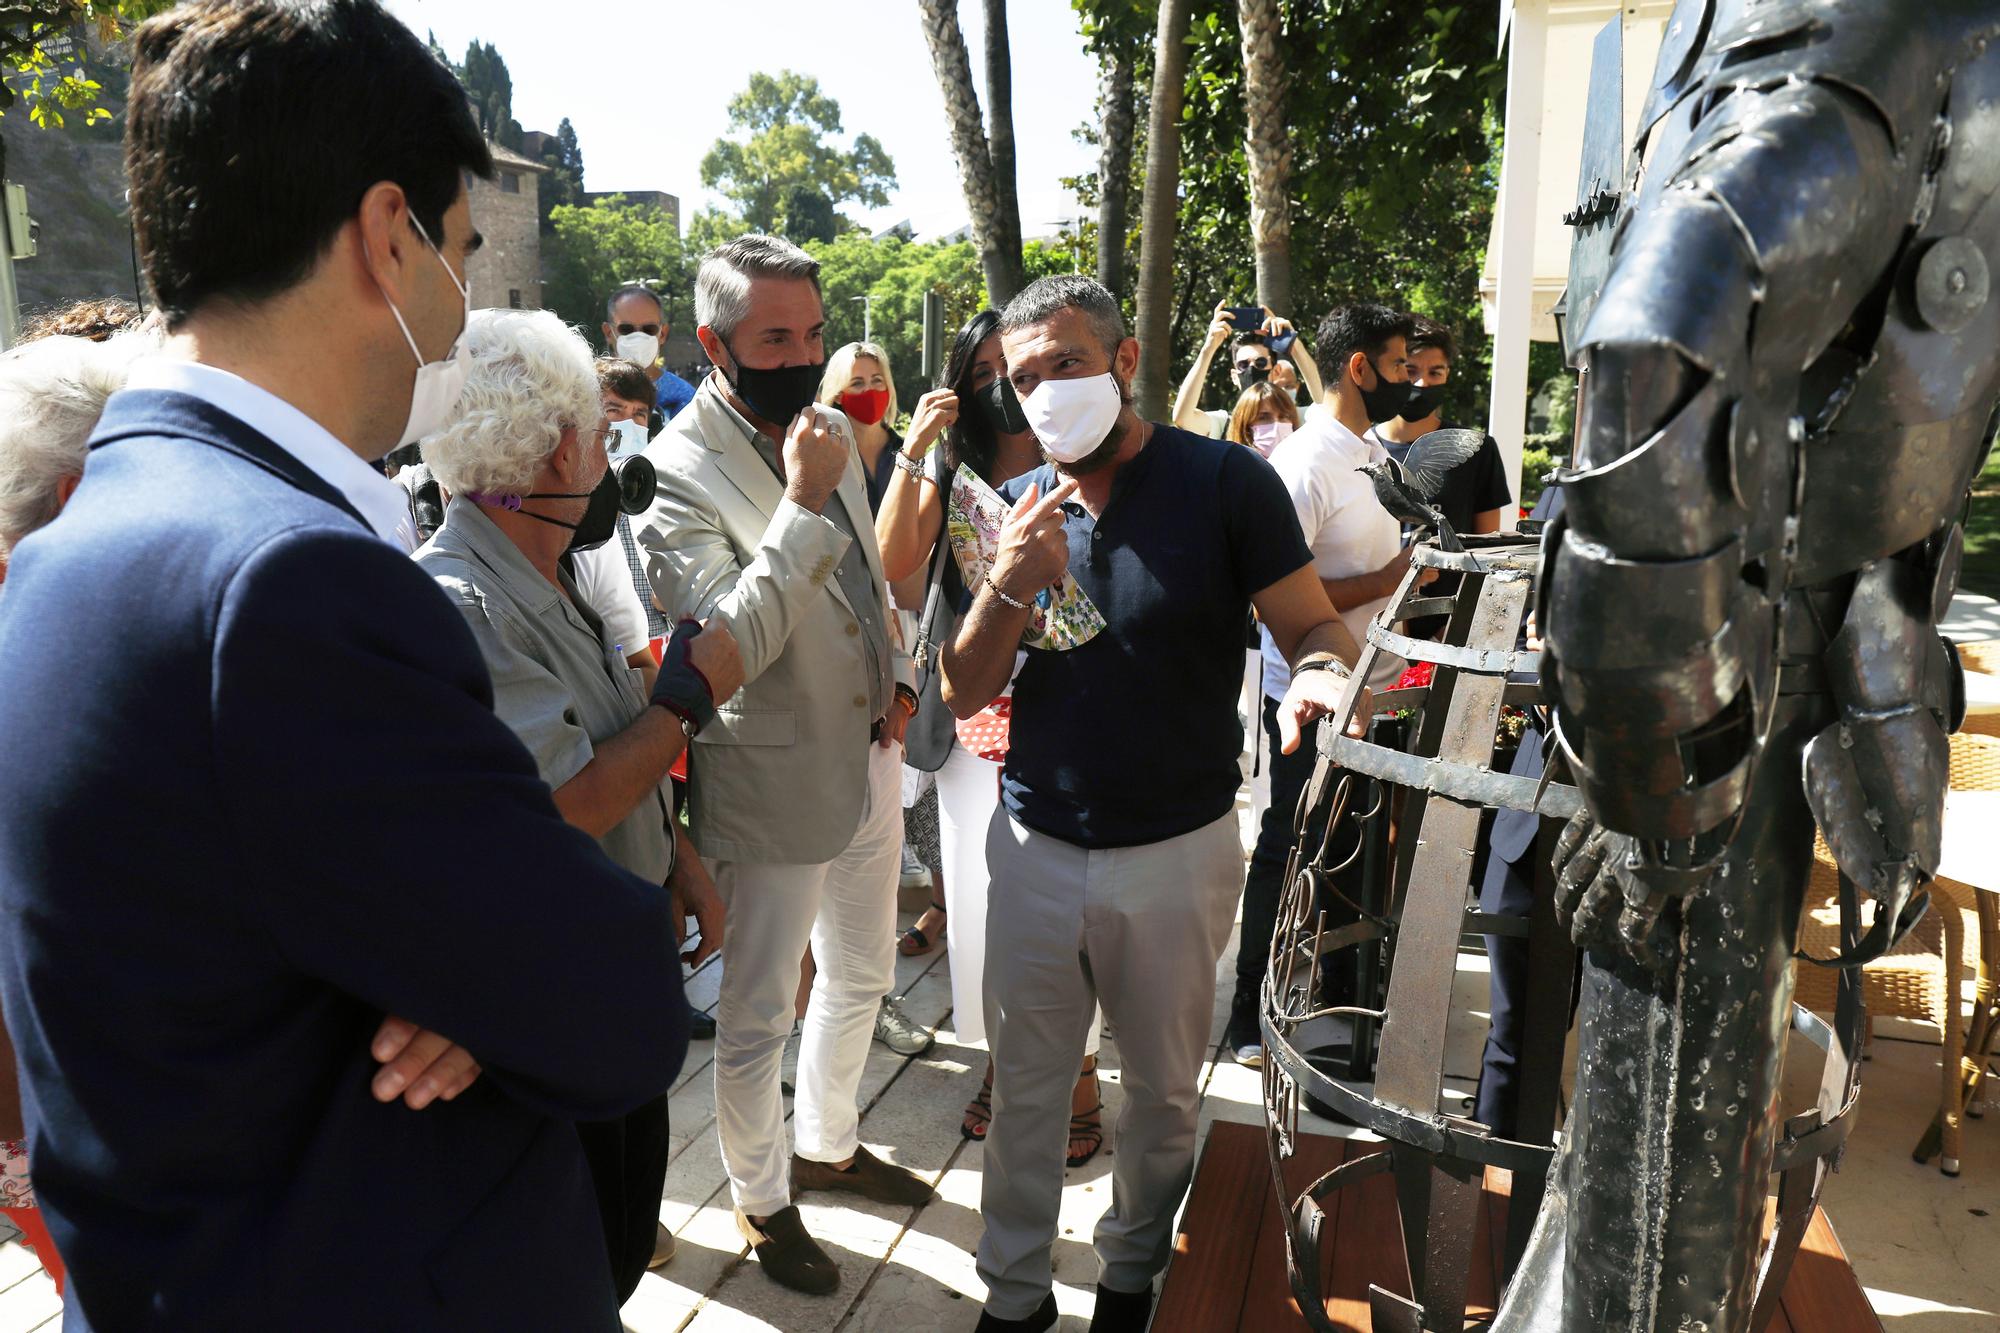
pixel 776 395
pixel 1248 375
pixel 626 488
pixel 1001 408
pixel 1421 401
pixel 1385 400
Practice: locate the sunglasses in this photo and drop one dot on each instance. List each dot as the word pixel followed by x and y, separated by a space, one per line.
pixel 623 329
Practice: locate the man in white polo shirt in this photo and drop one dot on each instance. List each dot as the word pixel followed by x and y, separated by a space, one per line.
pixel 1358 553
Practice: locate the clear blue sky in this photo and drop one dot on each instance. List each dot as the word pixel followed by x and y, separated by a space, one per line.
pixel 647 86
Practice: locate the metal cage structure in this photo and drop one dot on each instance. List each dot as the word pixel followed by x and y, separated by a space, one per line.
pixel 1436 789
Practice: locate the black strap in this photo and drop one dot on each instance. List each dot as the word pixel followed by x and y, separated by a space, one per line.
pixel 924 655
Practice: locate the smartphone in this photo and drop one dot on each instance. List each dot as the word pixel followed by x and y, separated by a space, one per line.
pixel 1247 318
pixel 1282 343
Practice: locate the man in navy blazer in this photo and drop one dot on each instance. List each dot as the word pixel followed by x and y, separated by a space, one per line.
pixel 282 809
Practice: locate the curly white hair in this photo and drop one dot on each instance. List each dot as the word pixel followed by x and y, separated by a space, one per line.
pixel 531 377
pixel 51 393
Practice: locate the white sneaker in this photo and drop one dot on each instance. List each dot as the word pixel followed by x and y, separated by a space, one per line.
pixel 1251 1056
pixel 916 875
pixel 896 1030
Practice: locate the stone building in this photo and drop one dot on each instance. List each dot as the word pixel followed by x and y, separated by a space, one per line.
pixel 507 269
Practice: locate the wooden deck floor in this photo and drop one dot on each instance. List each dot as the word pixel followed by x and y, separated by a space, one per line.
pixel 1228 1271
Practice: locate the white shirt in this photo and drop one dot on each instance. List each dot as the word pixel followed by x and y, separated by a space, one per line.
pixel 384 504
pixel 604 581
pixel 1346 527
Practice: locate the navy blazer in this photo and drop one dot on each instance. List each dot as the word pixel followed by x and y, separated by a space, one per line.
pixel 258 798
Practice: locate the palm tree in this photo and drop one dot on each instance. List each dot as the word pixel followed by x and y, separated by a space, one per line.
pixel 1114 164
pixel 1158 211
pixel 1268 149
pixel 985 161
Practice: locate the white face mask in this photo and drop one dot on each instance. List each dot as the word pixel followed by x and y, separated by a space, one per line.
pixel 642 348
pixel 1264 436
pixel 439 383
pixel 1072 417
pixel 627 437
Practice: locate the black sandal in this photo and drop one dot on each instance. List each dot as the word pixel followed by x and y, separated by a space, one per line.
pixel 1088 1126
pixel 914 943
pixel 978 1111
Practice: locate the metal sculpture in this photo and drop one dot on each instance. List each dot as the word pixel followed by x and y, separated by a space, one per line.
pixel 1789 382
pixel 1443 777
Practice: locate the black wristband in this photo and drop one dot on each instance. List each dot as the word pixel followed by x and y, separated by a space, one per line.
pixel 1325 662
pixel 681 689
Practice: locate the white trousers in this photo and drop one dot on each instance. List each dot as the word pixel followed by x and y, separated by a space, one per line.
pixel 1140 930
pixel 968 794
pixel 847 908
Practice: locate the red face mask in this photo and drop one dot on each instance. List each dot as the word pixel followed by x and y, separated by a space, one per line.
pixel 867 406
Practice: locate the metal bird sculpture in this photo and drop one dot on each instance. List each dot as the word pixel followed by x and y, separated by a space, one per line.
pixel 1407 488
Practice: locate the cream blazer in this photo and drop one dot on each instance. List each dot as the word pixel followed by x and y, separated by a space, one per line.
pixel 781 775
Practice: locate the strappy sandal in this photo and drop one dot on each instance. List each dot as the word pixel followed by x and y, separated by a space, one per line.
pixel 979 1111
pixel 1087 1126
pixel 915 943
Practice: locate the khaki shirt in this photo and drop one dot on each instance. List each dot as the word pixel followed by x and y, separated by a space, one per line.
pixel 556 681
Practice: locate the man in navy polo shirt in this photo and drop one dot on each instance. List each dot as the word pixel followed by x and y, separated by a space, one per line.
pixel 1115 858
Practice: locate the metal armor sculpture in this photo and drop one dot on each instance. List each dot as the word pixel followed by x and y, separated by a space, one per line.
pixel 1790 367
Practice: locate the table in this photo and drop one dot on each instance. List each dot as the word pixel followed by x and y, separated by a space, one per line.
pixel 1970 859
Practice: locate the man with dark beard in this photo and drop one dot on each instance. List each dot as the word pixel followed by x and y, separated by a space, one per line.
pixel 1116 853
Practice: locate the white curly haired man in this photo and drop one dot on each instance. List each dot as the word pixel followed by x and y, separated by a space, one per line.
pixel 521 464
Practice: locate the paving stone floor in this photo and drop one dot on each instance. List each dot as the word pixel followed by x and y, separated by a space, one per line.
pixel 1922 1243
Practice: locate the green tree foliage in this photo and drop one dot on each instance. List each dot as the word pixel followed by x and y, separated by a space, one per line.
pixel 492 90
pixel 780 126
pixel 47 54
pixel 593 249
pixel 1392 111
pixel 564 182
pixel 808 215
pixel 709 228
pixel 895 274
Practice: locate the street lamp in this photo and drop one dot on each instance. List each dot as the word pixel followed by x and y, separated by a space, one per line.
pixel 867 317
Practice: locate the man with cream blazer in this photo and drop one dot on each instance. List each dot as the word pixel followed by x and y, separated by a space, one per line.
pixel 761 520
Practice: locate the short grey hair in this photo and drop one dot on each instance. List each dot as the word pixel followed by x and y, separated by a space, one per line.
pixel 1045 298
pixel 531 377
pixel 632 289
pixel 52 391
pixel 722 284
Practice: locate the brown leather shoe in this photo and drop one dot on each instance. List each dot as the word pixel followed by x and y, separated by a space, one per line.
pixel 870 1177
pixel 791 1257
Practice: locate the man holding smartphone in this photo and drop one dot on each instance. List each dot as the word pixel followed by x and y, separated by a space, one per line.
pixel 1263 343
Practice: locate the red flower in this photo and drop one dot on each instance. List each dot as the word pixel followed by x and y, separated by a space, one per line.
pixel 1415 675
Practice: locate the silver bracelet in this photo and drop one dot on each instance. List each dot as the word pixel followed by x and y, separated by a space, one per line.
pixel 1001 593
pixel 908 464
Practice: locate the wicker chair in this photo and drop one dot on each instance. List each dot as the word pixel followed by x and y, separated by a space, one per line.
pixel 1922 977
pixel 1983 657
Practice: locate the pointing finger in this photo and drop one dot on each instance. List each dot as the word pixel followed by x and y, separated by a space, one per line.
pixel 1054 499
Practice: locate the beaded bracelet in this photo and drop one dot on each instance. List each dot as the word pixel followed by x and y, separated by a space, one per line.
pixel 1001 593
